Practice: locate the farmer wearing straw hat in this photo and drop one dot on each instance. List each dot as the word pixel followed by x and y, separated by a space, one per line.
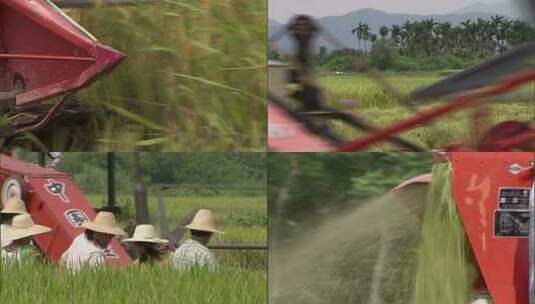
pixel 14 206
pixel 89 247
pixel 193 252
pixel 19 234
pixel 150 248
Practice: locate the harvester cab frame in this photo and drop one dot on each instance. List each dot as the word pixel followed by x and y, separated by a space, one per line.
pixel 494 195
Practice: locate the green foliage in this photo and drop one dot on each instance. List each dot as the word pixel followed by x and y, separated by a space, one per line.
pixel 248 219
pixel 274 55
pixel 191 173
pixel 427 45
pixel 381 55
pixel 325 183
pixel 340 64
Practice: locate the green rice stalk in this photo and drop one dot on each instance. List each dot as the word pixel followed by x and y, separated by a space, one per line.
pixel 444 272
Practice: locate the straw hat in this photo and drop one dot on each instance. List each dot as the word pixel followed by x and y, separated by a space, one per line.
pixel 104 223
pixel 146 233
pixel 203 221
pixel 14 205
pixel 21 227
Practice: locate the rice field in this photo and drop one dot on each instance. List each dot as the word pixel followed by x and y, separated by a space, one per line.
pixel 241 277
pixel 370 101
pixel 194 79
pixel 43 284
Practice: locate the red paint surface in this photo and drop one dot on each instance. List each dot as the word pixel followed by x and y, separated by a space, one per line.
pixel 286 134
pixel 35 28
pixel 503 262
pixel 47 209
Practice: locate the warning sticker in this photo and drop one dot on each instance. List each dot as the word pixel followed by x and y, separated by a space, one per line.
pixel 57 189
pixel 513 198
pixel 76 217
pixel 509 223
pixel 109 253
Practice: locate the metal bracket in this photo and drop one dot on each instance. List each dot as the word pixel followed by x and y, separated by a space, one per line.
pixel 8 96
pixel 532 240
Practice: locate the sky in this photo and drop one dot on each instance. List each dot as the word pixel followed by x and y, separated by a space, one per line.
pixel 282 10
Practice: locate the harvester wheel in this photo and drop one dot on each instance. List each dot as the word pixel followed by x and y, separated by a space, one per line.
pixel 14 186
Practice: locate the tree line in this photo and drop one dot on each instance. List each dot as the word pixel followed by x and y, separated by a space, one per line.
pixel 308 187
pixel 425 45
pixel 190 173
pixel 479 38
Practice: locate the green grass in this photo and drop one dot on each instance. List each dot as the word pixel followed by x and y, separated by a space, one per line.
pixel 242 276
pixel 194 79
pixel 42 284
pixel 381 110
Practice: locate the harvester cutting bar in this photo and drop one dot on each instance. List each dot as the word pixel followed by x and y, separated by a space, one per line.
pixel 426 117
pixel 46 57
pixel 93 3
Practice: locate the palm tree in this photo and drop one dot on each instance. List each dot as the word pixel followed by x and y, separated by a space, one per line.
pixel 443 32
pixel 395 35
pixel 358 32
pixel 495 24
pixel 479 38
pixel 383 31
pixel 407 36
pixel 465 30
pixel 366 35
pixel 426 35
pixel 373 37
pixel 501 36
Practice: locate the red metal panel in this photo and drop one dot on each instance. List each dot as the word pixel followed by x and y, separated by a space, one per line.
pixel 62 210
pixel 52 54
pixel 11 166
pixel 288 135
pixel 477 178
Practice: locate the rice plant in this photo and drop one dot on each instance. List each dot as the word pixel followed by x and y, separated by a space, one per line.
pixel 46 284
pixel 380 109
pixel 194 79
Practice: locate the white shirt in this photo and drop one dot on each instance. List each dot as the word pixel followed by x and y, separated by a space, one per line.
pixel 192 253
pixel 82 252
pixel 10 257
pixel 3 241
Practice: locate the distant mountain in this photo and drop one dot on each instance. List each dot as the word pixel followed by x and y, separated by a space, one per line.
pixel 501 8
pixel 340 26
